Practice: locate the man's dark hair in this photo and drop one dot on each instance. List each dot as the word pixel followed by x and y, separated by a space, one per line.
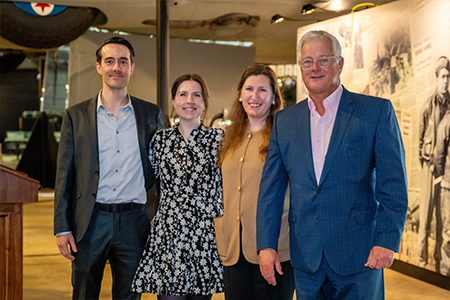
pixel 115 40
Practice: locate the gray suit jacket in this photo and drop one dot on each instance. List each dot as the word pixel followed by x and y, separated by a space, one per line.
pixel 78 162
pixel 361 198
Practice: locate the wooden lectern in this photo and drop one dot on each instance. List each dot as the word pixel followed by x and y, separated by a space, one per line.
pixel 16 188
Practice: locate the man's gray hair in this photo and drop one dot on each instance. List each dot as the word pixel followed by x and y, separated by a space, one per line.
pixel 318 35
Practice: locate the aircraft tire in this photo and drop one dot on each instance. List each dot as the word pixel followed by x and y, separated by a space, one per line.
pixel 33 31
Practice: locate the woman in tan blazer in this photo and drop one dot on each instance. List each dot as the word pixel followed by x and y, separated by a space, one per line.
pixel 242 160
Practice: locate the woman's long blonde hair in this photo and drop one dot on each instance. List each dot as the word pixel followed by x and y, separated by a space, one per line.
pixel 238 128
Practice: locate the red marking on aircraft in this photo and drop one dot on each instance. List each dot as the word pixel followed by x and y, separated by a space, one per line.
pixel 42 5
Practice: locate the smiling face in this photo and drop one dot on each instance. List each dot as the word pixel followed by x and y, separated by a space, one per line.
pixel 320 81
pixel 188 101
pixel 257 96
pixel 115 67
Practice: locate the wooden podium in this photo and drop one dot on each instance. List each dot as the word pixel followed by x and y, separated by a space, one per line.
pixel 16 188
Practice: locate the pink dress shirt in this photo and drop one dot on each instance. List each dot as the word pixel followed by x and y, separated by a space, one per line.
pixel 322 127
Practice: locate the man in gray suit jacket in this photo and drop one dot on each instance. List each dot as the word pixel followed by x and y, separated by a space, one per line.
pixel 343 157
pixel 103 172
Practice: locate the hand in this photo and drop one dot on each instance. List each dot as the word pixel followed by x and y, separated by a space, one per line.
pixel 63 242
pixel 380 257
pixel 268 259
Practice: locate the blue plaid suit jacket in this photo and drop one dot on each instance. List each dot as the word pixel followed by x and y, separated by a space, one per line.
pixel 361 199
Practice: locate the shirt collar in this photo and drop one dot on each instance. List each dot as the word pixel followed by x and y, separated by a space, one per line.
pixel 100 103
pixel 199 130
pixel 442 98
pixel 330 103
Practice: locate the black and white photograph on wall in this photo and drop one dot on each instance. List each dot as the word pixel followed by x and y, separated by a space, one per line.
pixel 392 68
pixel 435 193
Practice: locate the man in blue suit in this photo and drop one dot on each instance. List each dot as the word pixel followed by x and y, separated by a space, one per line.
pixel 343 157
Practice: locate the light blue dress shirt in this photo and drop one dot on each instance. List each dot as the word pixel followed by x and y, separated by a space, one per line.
pixel 121 175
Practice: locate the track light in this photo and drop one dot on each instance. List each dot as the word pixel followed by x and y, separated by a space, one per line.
pixel 308 9
pixel 277 19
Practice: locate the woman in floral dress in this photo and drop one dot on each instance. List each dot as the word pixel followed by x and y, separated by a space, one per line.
pixel 180 260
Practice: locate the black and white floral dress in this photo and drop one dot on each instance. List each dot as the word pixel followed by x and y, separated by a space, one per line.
pixel 181 254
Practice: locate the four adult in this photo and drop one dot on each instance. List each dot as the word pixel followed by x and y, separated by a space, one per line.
pixel 340 153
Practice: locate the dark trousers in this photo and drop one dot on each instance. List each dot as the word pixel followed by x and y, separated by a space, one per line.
pixel 243 281
pixel 119 237
pixel 325 284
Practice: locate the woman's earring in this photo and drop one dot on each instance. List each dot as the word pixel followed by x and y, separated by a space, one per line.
pixel 273 102
pixel 240 99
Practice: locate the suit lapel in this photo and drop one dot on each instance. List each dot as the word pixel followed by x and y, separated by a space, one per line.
pixel 91 121
pixel 343 117
pixel 304 141
pixel 140 125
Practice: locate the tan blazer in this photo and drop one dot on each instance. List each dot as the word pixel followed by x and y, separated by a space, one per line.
pixel 241 172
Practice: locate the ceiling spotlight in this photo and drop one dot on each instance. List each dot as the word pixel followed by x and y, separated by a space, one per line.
pixel 277 19
pixel 308 9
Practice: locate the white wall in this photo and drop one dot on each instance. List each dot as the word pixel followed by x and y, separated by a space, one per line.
pixel 220 66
